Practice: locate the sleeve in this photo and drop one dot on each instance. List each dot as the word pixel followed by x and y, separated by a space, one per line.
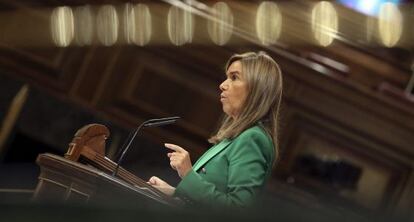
pixel 249 160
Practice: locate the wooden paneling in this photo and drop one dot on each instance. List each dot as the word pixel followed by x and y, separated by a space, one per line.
pixel 382 176
pixel 363 110
pixel 330 116
pixel 51 67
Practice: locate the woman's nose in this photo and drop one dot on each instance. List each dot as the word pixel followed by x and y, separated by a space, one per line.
pixel 223 85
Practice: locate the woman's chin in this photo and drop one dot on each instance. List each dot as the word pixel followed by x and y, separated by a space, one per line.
pixel 225 110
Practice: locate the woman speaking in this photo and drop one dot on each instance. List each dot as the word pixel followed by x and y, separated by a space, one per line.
pixel 234 170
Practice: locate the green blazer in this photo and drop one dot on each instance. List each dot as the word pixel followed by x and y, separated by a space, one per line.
pixel 232 172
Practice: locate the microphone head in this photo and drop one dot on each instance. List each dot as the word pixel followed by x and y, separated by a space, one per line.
pixel 161 121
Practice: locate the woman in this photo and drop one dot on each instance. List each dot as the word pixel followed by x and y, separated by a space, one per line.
pixel 235 169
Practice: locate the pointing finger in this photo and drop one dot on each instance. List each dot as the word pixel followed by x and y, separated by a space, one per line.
pixel 174 147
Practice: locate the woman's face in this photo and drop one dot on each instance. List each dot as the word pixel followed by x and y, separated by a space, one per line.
pixel 234 90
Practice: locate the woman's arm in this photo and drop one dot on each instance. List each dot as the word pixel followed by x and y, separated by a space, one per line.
pixel 250 158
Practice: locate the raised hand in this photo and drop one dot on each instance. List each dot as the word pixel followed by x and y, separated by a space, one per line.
pixel 179 159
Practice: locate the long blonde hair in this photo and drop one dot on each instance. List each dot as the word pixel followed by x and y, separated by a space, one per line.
pixel 264 83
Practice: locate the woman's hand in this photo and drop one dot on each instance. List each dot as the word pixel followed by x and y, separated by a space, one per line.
pixel 161 185
pixel 179 159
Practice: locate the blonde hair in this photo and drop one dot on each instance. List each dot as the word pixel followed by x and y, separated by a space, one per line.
pixel 264 83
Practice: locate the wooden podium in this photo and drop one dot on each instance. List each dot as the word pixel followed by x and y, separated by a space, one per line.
pixel 85 175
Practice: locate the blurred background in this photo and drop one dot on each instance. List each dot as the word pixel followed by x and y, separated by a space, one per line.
pixel 347 118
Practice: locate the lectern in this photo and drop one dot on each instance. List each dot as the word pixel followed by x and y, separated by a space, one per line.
pixel 84 175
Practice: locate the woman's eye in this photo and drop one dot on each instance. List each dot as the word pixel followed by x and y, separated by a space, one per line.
pixel 233 77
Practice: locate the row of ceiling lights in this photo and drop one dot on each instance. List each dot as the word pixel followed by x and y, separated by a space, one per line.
pixel 79 25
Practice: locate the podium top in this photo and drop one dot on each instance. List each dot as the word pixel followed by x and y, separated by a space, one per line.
pixel 55 168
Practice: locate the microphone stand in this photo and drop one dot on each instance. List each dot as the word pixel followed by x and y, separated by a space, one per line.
pixel 147 123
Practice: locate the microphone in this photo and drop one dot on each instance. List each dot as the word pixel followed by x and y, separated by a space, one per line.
pixel 147 123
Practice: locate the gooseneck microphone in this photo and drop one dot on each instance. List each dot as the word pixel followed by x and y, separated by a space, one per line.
pixel 147 123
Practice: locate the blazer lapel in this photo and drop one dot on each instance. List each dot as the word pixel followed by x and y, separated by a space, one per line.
pixel 210 154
